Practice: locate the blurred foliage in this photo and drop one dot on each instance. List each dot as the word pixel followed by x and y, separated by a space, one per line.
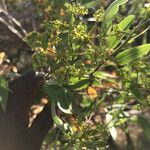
pixel 3 93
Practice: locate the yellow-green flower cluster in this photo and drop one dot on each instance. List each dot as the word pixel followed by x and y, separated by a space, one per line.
pixel 76 9
pixel 79 32
pixel 99 15
pixel 117 30
pixel 55 25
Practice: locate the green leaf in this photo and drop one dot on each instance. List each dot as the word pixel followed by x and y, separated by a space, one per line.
pixel 131 54
pixel 59 94
pixel 136 91
pixel 56 119
pixel 91 4
pixel 112 11
pixel 66 111
pixel 124 25
pixel 66 98
pixel 103 75
pixel 51 91
pixel 3 93
pixel 79 84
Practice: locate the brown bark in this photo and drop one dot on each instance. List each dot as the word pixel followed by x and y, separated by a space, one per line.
pixel 14 131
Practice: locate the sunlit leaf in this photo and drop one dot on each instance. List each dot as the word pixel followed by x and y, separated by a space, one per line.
pixel 92 4
pixel 112 11
pixel 104 75
pixel 124 25
pixel 131 54
pixel 79 84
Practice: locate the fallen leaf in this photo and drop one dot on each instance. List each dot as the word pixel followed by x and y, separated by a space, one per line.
pixel 91 91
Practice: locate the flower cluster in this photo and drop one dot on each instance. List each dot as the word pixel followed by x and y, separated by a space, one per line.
pixel 55 25
pixel 117 30
pixel 76 9
pixel 99 15
pixel 79 32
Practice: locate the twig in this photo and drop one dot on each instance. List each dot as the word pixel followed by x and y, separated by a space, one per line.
pixel 5 8
pixel 4 4
pixel 13 30
pixel 13 21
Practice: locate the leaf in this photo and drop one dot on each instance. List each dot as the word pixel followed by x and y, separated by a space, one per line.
pixel 51 91
pixel 91 4
pixel 66 98
pixel 112 11
pixel 104 75
pixel 92 93
pixel 59 94
pixel 3 93
pixel 131 54
pixel 124 25
pixel 135 91
pixel 66 111
pixel 79 84
pixel 56 119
